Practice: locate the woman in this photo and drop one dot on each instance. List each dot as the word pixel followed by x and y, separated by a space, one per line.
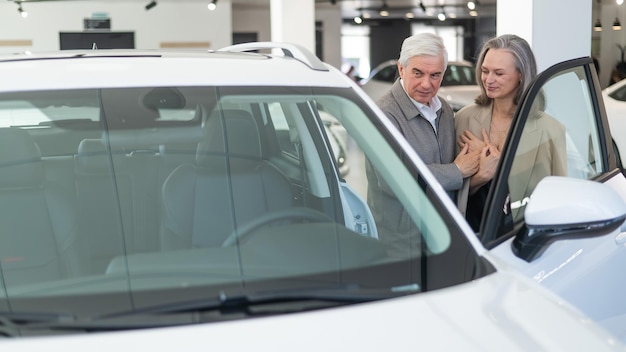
pixel 506 66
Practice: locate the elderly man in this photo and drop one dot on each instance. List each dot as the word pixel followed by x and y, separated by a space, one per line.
pixel 427 123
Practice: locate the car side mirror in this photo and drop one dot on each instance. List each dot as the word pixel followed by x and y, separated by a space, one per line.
pixel 566 208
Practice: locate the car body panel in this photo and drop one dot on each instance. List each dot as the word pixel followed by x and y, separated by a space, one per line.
pixel 507 314
pixel 111 73
pixel 450 293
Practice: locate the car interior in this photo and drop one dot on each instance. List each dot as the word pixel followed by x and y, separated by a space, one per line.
pixel 157 170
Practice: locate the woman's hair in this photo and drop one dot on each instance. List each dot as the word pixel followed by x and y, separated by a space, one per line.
pixel 525 63
pixel 423 44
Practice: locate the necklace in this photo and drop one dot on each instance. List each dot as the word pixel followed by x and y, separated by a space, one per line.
pixel 498 136
pixel 500 130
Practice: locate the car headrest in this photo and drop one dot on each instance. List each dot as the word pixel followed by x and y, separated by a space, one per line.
pixel 20 159
pixel 233 133
pixel 92 155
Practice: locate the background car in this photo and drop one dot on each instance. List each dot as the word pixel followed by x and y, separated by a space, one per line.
pixel 458 86
pixel 615 103
pixel 172 199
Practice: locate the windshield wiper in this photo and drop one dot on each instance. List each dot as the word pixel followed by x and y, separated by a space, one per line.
pixel 12 322
pixel 268 302
pixel 222 307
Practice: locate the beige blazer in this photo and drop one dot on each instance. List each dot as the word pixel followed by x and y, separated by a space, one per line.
pixel 541 152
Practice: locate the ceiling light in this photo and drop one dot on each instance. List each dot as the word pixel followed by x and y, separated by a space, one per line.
pixel 616 25
pixel 409 15
pixel 442 15
pixel 23 13
pixel 473 13
pixel 471 5
pixel 619 2
pixel 150 5
pixel 213 5
pixel 597 27
pixel 384 10
pixel 358 19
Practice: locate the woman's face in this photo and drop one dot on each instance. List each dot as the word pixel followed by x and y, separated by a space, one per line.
pixel 499 75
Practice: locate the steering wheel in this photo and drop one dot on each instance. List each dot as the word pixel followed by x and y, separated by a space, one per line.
pixel 291 213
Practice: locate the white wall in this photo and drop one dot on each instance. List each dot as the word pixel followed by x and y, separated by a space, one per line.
pixel 169 21
pixel 331 33
pixel 554 34
pixel 253 19
pixel 257 19
pixel 180 21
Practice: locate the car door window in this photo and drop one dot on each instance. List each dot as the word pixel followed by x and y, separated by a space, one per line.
pixel 559 138
pixel 558 130
pixel 387 74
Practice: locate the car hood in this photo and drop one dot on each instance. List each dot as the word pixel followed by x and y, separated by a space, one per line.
pixel 500 312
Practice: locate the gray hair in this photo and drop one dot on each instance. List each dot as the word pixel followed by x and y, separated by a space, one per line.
pixel 423 44
pixel 525 63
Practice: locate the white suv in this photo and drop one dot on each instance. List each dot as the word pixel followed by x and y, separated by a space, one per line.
pixel 195 201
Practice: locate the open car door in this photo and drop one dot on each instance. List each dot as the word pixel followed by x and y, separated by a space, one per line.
pixel 551 207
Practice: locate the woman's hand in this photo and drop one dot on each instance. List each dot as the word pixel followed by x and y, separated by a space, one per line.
pixel 475 145
pixel 487 166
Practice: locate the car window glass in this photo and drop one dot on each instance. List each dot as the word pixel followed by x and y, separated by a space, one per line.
pixel 458 75
pixel 387 74
pixel 237 186
pixel 288 116
pixel 560 137
pixel 417 222
pixel 287 137
pixel 35 108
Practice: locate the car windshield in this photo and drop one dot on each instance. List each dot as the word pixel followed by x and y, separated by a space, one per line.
pixel 145 196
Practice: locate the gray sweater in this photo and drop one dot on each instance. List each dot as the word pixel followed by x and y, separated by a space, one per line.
pixel 437 150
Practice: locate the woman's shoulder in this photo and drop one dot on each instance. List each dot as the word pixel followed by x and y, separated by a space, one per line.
pixel 547 121
pixel 470 110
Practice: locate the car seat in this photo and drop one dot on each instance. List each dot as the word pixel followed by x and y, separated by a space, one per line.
pixel 229 184
pixel 39 240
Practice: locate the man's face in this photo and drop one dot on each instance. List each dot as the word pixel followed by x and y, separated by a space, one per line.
pixel 422 77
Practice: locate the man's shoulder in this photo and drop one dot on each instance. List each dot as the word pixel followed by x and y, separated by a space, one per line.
pixel 394 102
pixel 390 97
pixel 386 99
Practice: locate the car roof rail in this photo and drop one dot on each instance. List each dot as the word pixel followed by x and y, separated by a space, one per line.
pixel 289 49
